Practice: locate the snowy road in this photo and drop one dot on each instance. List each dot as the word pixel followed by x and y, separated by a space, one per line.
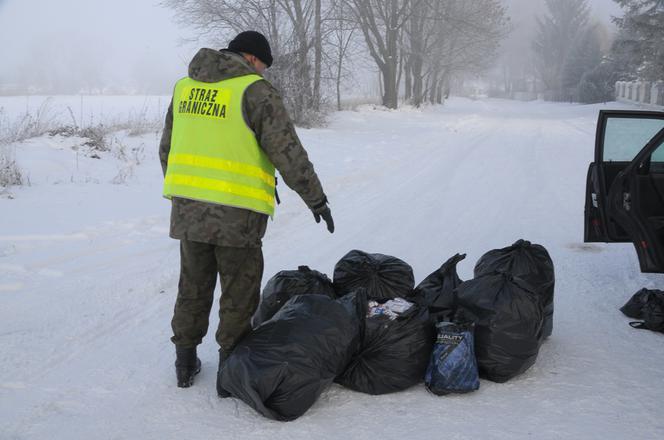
pixel 88 280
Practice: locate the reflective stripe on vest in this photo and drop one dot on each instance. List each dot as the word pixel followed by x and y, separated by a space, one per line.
pixel 214 155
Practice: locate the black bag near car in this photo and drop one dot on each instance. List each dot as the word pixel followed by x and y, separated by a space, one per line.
pixel 533 265
pixel 508 319
pixel 394 353
pixel 285 285
pixel 648 306
pixel 383 276
pixel 283 365
pixel 634 307
pixel 436 291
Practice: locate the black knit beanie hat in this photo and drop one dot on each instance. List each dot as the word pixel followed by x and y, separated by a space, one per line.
pixel 253 43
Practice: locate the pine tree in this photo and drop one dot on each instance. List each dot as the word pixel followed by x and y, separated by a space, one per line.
pixel 598 84
pixel 640 42
pixel 557 34
pixel 585 56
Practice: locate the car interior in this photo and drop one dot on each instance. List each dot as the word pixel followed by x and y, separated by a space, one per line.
pixel 622 139
pixel 649 197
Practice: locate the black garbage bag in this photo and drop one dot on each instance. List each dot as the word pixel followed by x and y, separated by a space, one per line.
pixel 285 285
pixel 436 292
pixel 453 367
pixel 647 305
pixel 634 307
pixel 384 277
pixel 653 315
pixel 394 353
pixel 508 320
pixel 283 365
pixel 532 264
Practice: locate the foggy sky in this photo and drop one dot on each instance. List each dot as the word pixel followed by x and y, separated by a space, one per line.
pixel 119 40
pixel 130 42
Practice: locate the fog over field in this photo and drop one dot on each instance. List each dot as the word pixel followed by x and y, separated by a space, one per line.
pixel 124 46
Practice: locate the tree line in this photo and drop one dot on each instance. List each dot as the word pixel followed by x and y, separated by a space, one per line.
pixel 417 47
pixel 570 62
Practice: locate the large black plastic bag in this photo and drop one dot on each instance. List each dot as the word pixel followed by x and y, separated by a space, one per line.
pixel 437 290
pixel 282 366
pixel 453 367
pixel 394 353
pixel 384 277
pixel 285 285
pixel 508 320
pixel 647 305
pixel 532 264
pixel 653 315
pixel 634 307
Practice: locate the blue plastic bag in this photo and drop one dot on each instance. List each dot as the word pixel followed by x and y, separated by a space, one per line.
pixel 453 367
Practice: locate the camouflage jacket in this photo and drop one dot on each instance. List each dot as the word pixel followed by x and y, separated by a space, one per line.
pixel 265 114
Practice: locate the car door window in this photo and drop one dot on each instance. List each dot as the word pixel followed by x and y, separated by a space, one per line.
pixel 657 159
pixel 625 137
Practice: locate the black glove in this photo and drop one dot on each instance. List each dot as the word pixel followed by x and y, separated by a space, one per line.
pixel 327 216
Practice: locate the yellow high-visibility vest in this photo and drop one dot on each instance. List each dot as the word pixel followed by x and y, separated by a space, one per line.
pixel 214 155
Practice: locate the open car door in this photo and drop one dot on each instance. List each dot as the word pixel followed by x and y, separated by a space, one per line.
pixel 621 136
pixel 636 202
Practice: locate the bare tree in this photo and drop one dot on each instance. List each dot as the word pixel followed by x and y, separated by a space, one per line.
pixel 318 54
pixel 382 23
pixel 428 41
pixel 450 37
pixel 415 54
pixel 300 14
pixel 215 19
pixel 424 42
pixel 339 40
pixel 293 28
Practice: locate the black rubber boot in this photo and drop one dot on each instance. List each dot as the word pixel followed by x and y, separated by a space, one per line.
pixel 222 360
pixel 187 365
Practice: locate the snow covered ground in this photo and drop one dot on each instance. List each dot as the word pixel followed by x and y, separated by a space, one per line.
pixel 88 280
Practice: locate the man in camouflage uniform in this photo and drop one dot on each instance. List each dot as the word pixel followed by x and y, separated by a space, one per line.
pixel 226 240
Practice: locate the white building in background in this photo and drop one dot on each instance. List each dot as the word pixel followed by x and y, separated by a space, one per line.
pixel 642 92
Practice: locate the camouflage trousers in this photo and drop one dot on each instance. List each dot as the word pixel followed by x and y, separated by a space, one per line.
pixel 240 271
